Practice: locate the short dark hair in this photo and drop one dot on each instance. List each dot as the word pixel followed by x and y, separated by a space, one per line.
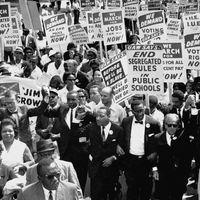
pixel 84 92
pixel 178 94
pixel 43 163
pixel 79 55
pixel 66 75
pixel 136 103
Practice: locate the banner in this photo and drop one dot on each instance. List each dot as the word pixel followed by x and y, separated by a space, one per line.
pixel 78 34
pixel 173 30
pixel 98 34
pixel 173 66
pixel 115 75
pixel 192 51
pixel 13 38
pixel 5 20
pixel 113 27
pixel 87 4
pixel 131 10
pixel 56 29
pixel 145 71
pixel 90 26
pixel 28 89
pixel 110 4
pixel 151 26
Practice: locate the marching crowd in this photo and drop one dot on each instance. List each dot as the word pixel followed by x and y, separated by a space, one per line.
pixel 151 140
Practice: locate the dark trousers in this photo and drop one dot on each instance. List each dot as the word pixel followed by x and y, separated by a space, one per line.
pixel 8 54
pixel 101 187
pixel 76 16
pixel 137 178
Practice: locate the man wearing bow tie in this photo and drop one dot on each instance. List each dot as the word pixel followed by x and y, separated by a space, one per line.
pixel 140 151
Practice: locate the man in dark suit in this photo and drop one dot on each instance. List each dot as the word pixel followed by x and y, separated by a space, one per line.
pixel 49 185
pixel 103 169
pixel 20 115
pixel 174 159
pixel 140 151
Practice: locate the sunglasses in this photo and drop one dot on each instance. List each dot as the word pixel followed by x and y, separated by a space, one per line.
pixel 172 125
pixel 51 176
pixel 52 97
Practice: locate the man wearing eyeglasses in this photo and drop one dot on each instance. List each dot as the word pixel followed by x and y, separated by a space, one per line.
pixel 49 186
pixel 140 151
pixel 174 158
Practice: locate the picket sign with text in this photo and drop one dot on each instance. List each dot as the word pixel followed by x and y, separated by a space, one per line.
pixel 113 26
pixel 78 34
pixel 115 75
pixel 173 30
pixel 172 10
pixel 90 26
pixel 98 34
pixel 56 29
pixel 151 26
pixel 131 10
pixel 173 66
pixel 191 23
pixel 13 38
pixel 113 4
pixel 5 18
pixel 145 71
pixel 192 50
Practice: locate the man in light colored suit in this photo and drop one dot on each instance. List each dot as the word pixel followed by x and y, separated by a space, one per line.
pixel 46 149
pixel 49 185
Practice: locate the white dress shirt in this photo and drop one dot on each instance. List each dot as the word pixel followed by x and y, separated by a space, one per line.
pixel 106 130
pixel 137 138
pixel 46 193
pixel 68 117
pixel 168 137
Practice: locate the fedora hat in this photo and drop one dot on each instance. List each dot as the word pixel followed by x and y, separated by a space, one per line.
pixel 45 145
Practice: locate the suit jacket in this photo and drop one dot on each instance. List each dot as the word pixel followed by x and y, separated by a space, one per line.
pixel 62 128
pixel 100 151
pixel 29 42
pixel 35 191
pixel 152 127
pixel 22 119
pixel 68 173
pixel 175 157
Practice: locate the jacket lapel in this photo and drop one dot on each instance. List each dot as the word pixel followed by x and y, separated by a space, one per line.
pixel 129 125
pixel 40 191
pixel 60 193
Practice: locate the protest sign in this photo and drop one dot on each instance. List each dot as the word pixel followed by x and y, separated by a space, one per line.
pixel 154 5
pixel 87 4
pixel 98 34
pixel 113 26
pixel 56 29
pixel 115 75
pixel 14 12
pixel 145 69
pixel 192 50
pixel 5 20
pixel 90 26
pixel 172 10
pixel 173 66
pixel 191 22
pixel 28 90
pixel 131 10
pixel 110 4
pixel 13 38
pixel 78 34
pixel 1 49
pixel 151 26
pixel 173 30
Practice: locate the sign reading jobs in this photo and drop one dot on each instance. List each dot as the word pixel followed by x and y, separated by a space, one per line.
pixel 113 26
pixel 115 75
pixel 145 69
pixel 173 67
pixel 56 29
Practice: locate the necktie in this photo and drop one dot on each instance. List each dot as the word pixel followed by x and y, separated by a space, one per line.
pixel 71 117
pixel 103 135
pixel 171 137
pixel 139 122
pixel 179 115
pixel 50 195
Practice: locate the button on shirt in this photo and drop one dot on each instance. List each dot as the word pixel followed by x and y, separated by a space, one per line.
pixel 46 193
pixel 137 138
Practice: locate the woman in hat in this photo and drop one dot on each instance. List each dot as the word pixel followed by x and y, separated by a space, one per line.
pixel 16 154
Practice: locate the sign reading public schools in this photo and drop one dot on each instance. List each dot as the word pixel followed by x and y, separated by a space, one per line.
pixel 115 75
pixel 173 66
pixel 113 26
pixel 151 26
pixel 56 29
pixel 5 20
pixel 145 71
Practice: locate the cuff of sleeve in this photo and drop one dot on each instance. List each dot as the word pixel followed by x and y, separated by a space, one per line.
pixel 155 169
